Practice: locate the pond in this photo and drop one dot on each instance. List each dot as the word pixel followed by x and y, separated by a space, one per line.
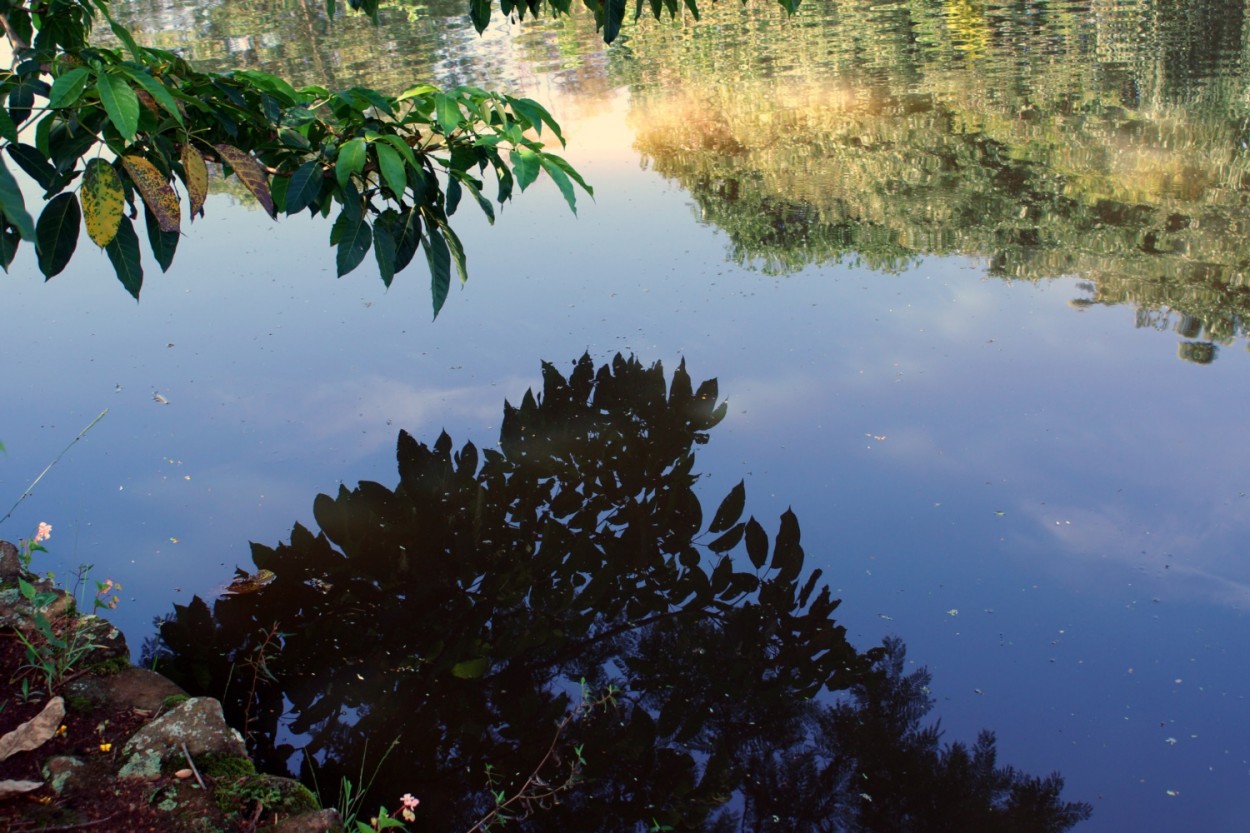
pixel 971 279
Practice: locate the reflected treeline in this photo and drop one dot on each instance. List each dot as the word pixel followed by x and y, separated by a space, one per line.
pixel 461 614
pixel 1101 140
pixel 414 42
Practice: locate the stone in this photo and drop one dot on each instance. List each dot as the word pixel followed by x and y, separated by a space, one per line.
pixel 109 641
pixel 61 773
pixel 321 821
pixel 198 723
pixel 136 688
pixel 10 563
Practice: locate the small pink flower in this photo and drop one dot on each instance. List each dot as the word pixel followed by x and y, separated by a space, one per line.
pixel 409 802
pixel 43 533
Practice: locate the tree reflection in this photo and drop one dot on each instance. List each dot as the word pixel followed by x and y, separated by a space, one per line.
pixel 459 613
pixel 1052 139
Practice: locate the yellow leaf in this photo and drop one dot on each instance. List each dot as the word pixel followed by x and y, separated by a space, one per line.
pixel 195 175
pixel 103 201
pixel 251 173
pixel 156 191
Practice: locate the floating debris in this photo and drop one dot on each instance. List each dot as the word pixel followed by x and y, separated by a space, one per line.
pixel 250 583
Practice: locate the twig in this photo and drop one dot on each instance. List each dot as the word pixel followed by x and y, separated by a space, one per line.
pixel 523 794
pixel 78 826
pixel 194 771
pixel 48 467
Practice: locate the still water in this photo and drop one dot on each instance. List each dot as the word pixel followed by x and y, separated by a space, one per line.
pixel 971 279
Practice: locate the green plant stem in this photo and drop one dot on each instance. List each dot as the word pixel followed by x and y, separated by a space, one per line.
pixel 48 467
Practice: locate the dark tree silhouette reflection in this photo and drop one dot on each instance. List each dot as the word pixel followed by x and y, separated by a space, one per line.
pixel 459 614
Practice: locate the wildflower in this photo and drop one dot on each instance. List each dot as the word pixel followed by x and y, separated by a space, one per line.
pixel 104 588
pixel 106 747
pixel 43 533
pixel 410 804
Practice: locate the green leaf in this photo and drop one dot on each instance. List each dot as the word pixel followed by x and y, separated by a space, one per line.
pixel 730 508
pixel 561 179
pixel 452 196
pixel 401 146
pixel 351 160
pixel 536 115
pixel 8 130
pixel 470 669
pixel 31 161
pixel 67 88
pixel 163 243
pixel 447 113
pixel 14 206
pixel 9 241
pixel 121 104
pixel 419 91
pixel 482 202
pixel 457 251
pixel 122 34
pixel 353 237
pixel 391 164
pixel 270 83
pixel 43 131
pixel 479 13
pixel 407 234
pixel 384 249
pixel 439 258
pixel 570 171
pixel 123 251
pixel 304 187
pixel 615 14
pixel 158 91
pixel 525 166
pixel 56 233
pixel 395 240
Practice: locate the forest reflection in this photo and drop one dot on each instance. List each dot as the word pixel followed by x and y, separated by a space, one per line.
pixel 558 618
pixel 1104 141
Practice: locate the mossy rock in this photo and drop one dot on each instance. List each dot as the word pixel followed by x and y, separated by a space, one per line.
pixel 173 700
pixel 276 796
pixel 225 766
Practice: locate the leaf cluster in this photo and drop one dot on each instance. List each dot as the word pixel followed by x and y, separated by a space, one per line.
pixel 114 130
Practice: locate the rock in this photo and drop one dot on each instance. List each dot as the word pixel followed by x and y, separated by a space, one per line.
pixel 10 563
pixel 321 821
pixel 109 642
pixel 61 773
pixel 198 723
pixel 136 688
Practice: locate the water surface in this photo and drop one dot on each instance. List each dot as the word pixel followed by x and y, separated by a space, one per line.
pixel 971 278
